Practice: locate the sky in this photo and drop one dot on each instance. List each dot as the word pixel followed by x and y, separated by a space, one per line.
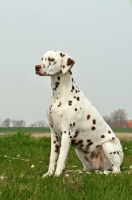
pixel 96 34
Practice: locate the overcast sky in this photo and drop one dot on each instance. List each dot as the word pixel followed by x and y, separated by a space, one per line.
pixel 96 34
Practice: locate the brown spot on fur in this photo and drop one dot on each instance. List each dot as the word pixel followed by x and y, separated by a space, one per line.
pixel 74 142
pixel 102 136
pixel 59 104
pixel 92 155
pixel 93 128
pixel 109 132
pixel 88 116
pixel 89 144
pixel 70 62
pixel 57 148
pixel 70 103
pixel 73 87
pixel 62 55
pixel 75 109
pixel 57 139
pixel 73 123
pixel 86 152
pixel 94 121
pixel 76 134
pixel 78 98
pixel 70 72
pixel 88 140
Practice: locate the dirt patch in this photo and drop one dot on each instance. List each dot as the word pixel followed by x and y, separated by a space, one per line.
pixel 124 136
pixel 121 136
pixel 38 135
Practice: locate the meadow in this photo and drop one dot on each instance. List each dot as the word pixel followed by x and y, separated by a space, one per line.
pixel 47 129
pixel 24 159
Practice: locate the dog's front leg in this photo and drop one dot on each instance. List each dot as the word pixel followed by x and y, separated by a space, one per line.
pixel 55 145
pixel 65 145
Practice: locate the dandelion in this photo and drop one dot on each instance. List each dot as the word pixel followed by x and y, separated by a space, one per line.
pixel 18 155
pixel 67 175
pixel 125 147
pixel 130 166
pixel 2 177
pixel 32 166
pixel 5 156
pixel 88 172
pixel 74 166
pixel 106 172
pixel 80 172
pixel 100 172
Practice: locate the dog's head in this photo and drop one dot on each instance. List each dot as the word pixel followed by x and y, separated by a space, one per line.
pixel 54 62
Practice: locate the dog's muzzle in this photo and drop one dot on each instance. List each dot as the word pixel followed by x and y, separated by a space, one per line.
pixel 37 68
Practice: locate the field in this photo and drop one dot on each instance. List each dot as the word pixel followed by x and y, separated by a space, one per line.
pixel 47 130
pixel 23 160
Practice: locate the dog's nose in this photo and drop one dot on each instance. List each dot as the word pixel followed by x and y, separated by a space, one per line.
pixel 37 67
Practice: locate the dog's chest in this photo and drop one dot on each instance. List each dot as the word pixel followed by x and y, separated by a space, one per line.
pixel 55 113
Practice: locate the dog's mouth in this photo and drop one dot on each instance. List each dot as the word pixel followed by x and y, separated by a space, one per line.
pixel 38 73
pixel 44 74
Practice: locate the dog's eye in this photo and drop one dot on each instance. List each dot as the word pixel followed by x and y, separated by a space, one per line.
pixel 51 59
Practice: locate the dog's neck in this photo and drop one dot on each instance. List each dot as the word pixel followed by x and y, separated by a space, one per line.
pixel 63 83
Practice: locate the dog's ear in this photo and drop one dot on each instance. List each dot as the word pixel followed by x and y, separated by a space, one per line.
pixel 67 63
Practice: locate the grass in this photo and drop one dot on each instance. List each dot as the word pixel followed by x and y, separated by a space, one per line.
pixel 122 130
pixel 24 159
pixel 26 129
pixel 47 130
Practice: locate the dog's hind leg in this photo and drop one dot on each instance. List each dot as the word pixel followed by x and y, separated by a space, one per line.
pixel 84 160
pixel 113 154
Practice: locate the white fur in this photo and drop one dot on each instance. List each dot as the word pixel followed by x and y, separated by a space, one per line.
pixel 75 121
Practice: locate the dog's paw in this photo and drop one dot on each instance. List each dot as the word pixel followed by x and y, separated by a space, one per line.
pixel 57 174
pixel 116 170
pixel 47 174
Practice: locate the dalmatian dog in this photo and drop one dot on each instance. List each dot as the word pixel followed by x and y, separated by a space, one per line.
pixel 75 121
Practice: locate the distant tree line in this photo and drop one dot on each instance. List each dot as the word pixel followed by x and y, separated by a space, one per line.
pixel 20 123
pixel 117 118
